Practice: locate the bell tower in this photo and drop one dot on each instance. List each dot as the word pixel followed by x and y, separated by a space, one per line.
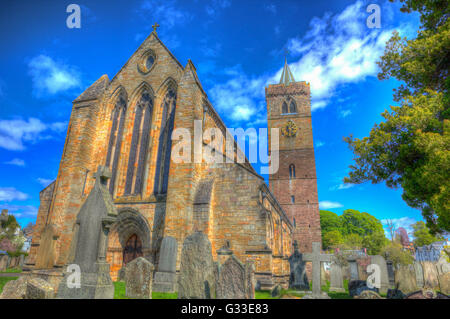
pixel 295 183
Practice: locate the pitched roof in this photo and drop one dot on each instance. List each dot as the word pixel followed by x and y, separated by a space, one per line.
pixel 95 90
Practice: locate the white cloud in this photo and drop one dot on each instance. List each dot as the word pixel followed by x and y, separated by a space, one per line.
pixel 9 194
pixel 342 186
pixel 14 133
pixel 345 113
pixel 16 162
pixel 328 205
pixel 21 211
pixel 51 77
pixel 165 11
pixel 337 49
pixel 319 144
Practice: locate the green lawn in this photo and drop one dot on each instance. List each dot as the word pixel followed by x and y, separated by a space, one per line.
pixel 11 270
pixel 119 292
pixel 4 280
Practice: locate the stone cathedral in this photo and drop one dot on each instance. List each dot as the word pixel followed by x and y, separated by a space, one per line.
pixel 126 124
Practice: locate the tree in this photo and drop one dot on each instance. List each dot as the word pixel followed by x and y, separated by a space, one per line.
pixel 375 243
pixel 411 148
pixel 332 239
pixel 362 224
pixel 395 253
pixel 422 235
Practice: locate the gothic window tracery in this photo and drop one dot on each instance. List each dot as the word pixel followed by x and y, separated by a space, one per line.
pixel 139 144
pixel 165 142
pixel 115 137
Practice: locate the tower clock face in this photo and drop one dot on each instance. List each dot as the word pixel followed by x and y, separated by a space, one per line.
pixel 289 129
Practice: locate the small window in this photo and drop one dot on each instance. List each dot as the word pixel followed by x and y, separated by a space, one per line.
pixel 284 108
pixel 295 224
pixel 149 62
pixel 293 199
pixel 291 171
pixel 293 107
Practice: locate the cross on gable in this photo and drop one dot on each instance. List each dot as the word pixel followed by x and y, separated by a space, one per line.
pixel 155 26
pixel 316 258
pixel 103 174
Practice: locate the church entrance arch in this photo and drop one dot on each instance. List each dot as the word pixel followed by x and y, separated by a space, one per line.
pixel 129 239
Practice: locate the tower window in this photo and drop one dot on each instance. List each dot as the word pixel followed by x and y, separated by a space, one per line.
pixel 291 171
pixel 292 107
pixel 293 199
pixel 284 108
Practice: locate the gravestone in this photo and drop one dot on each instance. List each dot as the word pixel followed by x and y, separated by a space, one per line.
pixel 236 280
pixel 354 273
pixel 45 257
pixel 356 287
pixel 444 283
pixel 336 278
pixel 15 289
pixel 384 279
pixel 38 288
pixel 419 274
pixel 442 266
pixel 138 278
pixel 3 262
pixel 298 278
pixel 405 278
pixel 198 272
pixel 166 275
pixel 391 272
pixel 93 222
pixel 430 275
pixel 316 258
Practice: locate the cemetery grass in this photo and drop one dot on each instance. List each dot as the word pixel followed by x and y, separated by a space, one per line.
pixel 4 280
pixel 11 270
pixel 119 292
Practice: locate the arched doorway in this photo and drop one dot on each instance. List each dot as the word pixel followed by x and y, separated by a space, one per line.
pixel 132 249
pixel 129 238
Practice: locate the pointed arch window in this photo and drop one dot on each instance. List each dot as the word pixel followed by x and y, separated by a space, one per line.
pixel 292 107
pixel 139 145
pixel 115 138
pixel 165 143
pixel 284 108
pixel 291 171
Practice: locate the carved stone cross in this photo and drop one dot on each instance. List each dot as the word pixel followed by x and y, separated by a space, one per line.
pixel 155 26
pixel 316 258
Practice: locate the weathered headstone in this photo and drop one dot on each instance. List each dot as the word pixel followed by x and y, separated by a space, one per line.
pixel 96 216
pixel 197 269
pixel 444 283
pixel 356 287
pixel 15 289
pixel 138 278
pixel 316 258
pixel 38 288
pixel 419 274
pixel 354 273
pixel 430 275
pixel 3 262
pixel 45 257
pixel 405 278
pixel 298 278
pixel 235 280
pixel 336 278
pixel 442 266
pixel 165 277
pixel 391 272
pixel 384 279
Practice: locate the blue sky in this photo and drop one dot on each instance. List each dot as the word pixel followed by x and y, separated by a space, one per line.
pixel 237 47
